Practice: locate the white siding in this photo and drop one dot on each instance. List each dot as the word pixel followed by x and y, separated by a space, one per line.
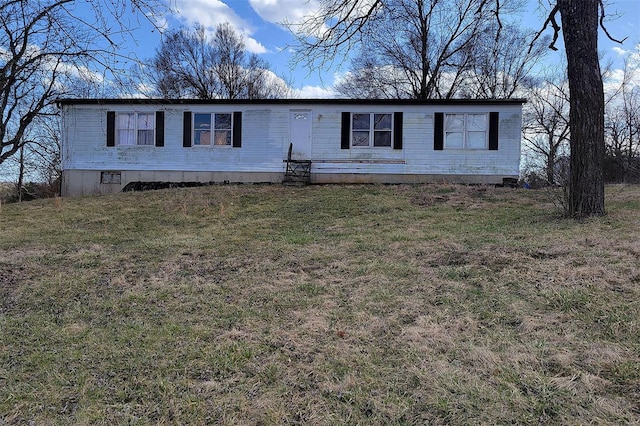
pixel 422 158
pixel 264 133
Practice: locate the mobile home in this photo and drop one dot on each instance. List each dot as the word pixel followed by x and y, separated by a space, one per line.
pixel 111 144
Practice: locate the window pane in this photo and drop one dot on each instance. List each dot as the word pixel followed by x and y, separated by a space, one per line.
pixel 453 140
pixel 360 139
pixel 477 122
pixel 382 138
pixel 202 137
pixel 361 121
pixel 223 122
pixel 476 140
pixel 382 121
pixel 146 121
pixel 126 137
pixel 145 137
pixel 126 121
pixel 222 137
pixel 202 129
pixel 202 121
pixel 455 122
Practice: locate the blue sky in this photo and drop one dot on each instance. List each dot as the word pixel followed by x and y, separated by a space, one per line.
pixel 259 22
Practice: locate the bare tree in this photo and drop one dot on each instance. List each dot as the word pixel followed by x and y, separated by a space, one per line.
pixel 195 64
pixel 499 62
pixel 45 42
pixel 44 151
pixel 368 79
pixel 229 63
pixel 586 114
pixel 37 162
pixel 429 42
pixel 622 125
pixel 622 147
pixel 546 126
pixel 502 60
pixel 581 20
pixel 184 65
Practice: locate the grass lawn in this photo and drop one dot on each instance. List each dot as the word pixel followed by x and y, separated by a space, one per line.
pixel 251 304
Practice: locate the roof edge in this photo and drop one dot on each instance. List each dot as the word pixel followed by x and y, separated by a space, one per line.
pixel 315 101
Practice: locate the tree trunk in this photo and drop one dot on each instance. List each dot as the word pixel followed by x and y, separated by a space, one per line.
pixel 551 162
pixel 21 173
pixel 627 177
pixel 580 33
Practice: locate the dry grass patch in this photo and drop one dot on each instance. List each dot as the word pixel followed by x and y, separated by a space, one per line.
pixel 319 305
pixel 7 190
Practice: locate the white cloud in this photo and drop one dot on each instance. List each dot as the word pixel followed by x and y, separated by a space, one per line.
pixel 254 46
pixel 86 74
pixel 634 56
pixel 625 78
pixel 54 63
pixel 301 16
pixel 279 11
pixel 619 51
pixel 313 92
pixel 211 13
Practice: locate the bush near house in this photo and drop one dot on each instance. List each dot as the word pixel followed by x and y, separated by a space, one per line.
pixel 6 191
pixel 622 170
pixel 30 191
pixel 249 304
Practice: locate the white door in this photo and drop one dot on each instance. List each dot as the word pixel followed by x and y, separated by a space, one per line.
pixel 300 131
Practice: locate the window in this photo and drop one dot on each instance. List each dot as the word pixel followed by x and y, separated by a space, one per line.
pixel 466 131
pixel 208 129
pixel 206 126
pixel 135 128
pixel 110 177
pixel 371 130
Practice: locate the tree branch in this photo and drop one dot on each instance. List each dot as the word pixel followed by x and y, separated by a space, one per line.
pixel 604 28
pixel 551 19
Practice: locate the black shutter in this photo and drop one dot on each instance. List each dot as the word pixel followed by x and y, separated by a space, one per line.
pixel 345 129
pixel 237 129
pixel 397 130
pixel 159 128
pixel 494 123
pixel 186 129
pixel 438 131
pixel 111 128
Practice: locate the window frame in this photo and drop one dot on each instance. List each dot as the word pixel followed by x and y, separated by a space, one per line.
pixel 137 128
pixel 372 130
pixel 466 131
pixel 110 177
pixel 212 130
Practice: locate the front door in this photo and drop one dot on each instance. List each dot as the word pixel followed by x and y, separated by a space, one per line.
pixel 300 131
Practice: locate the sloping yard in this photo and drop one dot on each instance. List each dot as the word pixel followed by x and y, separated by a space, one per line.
pixel 250 304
